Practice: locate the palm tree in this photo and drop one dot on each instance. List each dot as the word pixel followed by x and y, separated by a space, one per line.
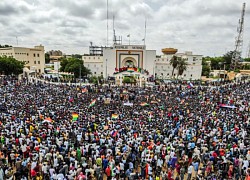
pixel 181 66
pixel 174 62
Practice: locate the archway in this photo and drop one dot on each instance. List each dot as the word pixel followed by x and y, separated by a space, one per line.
pixel 129 62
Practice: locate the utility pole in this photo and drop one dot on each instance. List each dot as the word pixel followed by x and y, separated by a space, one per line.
pixel 106 69
pixel 80 75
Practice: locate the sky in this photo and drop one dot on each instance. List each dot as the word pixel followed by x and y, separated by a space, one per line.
pixel 206 27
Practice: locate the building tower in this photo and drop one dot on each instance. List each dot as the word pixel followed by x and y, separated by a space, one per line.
pixel 238 41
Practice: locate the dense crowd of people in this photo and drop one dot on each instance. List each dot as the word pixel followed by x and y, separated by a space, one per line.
pixel 62 132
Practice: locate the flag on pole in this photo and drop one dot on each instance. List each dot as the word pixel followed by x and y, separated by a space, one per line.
pixel 84 90
pixel 144 104
pixel 48 120
pixel 190 85
pixel 128 35
pixel 114 116
pixel 92 103
pixel 75 116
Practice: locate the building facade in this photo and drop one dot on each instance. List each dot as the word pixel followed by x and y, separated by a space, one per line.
pixel 163 69
pixel 33 58
pixel 120 56
pixel 115 59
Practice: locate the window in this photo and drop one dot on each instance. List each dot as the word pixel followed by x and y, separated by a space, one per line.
pixel 38 55
pixel 191 75
pixel 184 75
pixel 101 73
pixel 89 57
pixel 194 58
pixel 34 62
pixel 101 65
pixel 84 58
pixel 27 54
pixel 94 72
pixel 93 57
pixel 94 65
pixel 167 74
pixel 162 67
pixel 34 55
pixel 38 62
pixel 39 70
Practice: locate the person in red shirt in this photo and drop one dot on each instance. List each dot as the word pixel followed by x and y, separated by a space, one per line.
pixel 108 172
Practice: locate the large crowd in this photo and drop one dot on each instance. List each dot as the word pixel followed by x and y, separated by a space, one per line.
pixel 62 132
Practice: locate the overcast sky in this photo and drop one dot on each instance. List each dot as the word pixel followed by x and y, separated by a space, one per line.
pixel 206 27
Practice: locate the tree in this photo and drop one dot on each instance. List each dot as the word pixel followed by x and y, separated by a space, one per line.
pixel 247 59
pixel 181 66
pixel 227 59
pixel 174 62
pixel 205 68
pixel 9 66
pixel 47 58
pixel 75 66
pixel 4 46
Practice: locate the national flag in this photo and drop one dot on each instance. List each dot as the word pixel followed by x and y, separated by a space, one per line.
pixel 48 120
pixel 227 106
pixel 75 116
pixel 150 116
pixel 92 103
pixel 114 116
pixel 144 104
pixel 130 69
pixel 84 90
pixel 114 133
pixel 190 85
pixel 71 99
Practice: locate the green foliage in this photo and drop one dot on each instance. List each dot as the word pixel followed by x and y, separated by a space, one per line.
pixel 173 62
pixel 247 59
pixel 126 80
pixel 93 79
pixel 47 58
pixel 75 66
pixel 9 65
pixel 4 46
pixel 181 66
pixel 77 56
pixel 205 68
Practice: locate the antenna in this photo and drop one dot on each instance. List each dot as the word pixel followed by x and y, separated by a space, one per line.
pixel 145 32
pixel 239 40
pixel 107 22
pixel 16 41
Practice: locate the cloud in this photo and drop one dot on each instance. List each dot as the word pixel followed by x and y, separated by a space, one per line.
pixel 205 27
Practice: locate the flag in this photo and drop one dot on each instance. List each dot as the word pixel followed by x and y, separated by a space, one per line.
pixel 128 35
pixel 75 116
pixel 48 120
pixel 84 90
pixel 92 103
pixel 114 116
pixel 144 104
pixel 227 106
pixel 71 99
pixel 114 133
pixel 150 116
pixel 130 70
pixel 190 85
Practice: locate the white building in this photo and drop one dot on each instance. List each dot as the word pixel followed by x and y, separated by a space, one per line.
pixel 163 69
pixel 33 58
pixel 120 56
pixel 113 59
